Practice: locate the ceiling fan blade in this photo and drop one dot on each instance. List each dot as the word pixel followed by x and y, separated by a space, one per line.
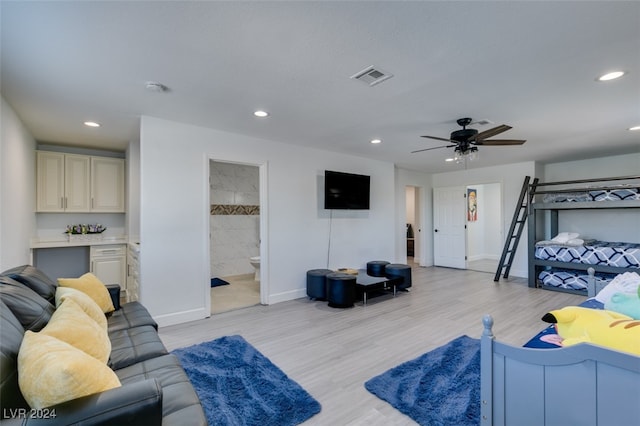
pixel 429 149
pixel 437 138
pixel 492 132
pixel 500 142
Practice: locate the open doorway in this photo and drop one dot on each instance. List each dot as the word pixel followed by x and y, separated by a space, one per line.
pixel 413 225
pixel 234 236
pixel 484 226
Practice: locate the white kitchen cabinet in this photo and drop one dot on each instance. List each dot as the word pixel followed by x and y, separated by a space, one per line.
pixel 107 185
pixel 76 183
pixel 109 264
pixel 62 182
pixel 79 183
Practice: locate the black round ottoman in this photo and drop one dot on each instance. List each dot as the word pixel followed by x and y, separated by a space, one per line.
pixel 341 290
pixel 375 268
pixel 399 270
pixel 317 283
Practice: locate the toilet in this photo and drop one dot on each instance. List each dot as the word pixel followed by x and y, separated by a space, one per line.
pixel 255 262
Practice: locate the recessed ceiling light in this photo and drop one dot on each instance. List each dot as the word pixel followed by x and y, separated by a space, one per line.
pixel 634 128
pixel 611 75
pixel 449 159
pixel 91 124
pixel 376 141
pixel 261 114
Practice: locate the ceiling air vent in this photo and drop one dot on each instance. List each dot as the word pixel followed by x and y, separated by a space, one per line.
pixel 372 76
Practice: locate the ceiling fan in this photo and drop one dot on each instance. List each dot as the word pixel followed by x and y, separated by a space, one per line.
pixel 467 140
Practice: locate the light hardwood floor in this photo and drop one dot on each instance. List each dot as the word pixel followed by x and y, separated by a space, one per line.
pixel 332 352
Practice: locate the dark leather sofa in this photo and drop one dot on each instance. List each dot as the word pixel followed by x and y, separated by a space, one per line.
pixel 155 389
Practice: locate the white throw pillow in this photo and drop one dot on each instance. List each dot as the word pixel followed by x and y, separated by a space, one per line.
pixel 563 237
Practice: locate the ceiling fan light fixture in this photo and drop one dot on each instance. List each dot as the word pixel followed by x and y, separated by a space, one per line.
pixel 154 86
pixel 611 75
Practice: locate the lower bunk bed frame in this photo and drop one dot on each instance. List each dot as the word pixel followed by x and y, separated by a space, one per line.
pixel 581 385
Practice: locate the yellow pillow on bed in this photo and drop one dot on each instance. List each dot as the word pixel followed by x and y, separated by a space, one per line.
pixel 88 305
pixel 51 371
pixel 72 325
pixel 93 287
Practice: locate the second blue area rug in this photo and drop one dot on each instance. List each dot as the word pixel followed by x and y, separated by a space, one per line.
pixel 441 387
pixel 237 385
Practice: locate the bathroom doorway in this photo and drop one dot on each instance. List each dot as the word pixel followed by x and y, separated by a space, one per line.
pixel 234 235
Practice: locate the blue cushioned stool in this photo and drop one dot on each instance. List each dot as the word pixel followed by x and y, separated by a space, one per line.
pixel 317 283
pixel 375 268
pixel 341 290
pixel 399 270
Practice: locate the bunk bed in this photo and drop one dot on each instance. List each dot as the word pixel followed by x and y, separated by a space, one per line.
pixel 583 384
pixel 560 263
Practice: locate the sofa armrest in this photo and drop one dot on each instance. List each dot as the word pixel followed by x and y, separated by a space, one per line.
pixel 114 292
pixel 134 403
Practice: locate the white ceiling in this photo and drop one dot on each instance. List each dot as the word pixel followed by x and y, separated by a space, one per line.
pixel 531 65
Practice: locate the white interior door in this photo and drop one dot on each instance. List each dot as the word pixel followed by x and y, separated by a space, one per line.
pixel 449 234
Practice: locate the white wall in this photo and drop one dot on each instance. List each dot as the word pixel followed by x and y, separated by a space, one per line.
pixel 133 191
pixel 174 259
pixel 511 178
pixel 17 189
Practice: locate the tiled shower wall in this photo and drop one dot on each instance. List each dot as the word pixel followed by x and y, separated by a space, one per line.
pixel 235 218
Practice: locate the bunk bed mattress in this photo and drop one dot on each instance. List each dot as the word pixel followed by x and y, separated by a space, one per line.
pixel 622 255
pixel 569 279
pixel 620 194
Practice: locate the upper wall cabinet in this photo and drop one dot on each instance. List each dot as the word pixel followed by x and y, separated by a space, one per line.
pixel 79 183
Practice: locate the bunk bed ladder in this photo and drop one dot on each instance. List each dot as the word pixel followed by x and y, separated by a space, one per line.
pixel 515 231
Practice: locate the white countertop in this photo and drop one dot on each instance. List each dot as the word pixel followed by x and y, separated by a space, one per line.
pixel 63 242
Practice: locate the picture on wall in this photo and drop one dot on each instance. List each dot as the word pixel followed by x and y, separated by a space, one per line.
pixel 472 205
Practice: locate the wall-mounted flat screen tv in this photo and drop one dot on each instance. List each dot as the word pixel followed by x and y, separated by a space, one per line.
pixel 346 191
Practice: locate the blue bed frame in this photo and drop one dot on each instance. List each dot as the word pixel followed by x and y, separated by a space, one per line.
pixel 581 385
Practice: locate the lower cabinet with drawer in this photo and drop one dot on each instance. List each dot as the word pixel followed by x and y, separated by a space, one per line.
pixel 109 264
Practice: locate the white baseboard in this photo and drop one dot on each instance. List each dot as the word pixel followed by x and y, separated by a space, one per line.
pixel 287 295
pixel 181 317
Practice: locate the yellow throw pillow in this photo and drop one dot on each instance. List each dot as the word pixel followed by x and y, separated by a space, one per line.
pixel 93 287
pixel 51 372
pixel 72 325
pixel 87 304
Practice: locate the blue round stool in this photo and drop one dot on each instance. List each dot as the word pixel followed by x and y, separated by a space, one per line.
pixel 317 283
pixel 399 270
pixel 341 290
pixel 375 268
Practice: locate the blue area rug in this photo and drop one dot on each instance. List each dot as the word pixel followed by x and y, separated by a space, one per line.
pixel 237 385
pixel 441 387
pixel 217 282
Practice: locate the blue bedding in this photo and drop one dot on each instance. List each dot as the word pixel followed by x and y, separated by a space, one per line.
pixel 620 254
pixel 569 278
pixel 545 339
pixel 620 194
